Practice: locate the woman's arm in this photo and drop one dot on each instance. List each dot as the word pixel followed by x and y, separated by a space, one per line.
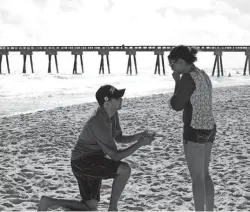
pixel 183 91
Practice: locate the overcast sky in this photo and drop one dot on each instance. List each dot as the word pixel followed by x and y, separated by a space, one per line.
pixel 129 22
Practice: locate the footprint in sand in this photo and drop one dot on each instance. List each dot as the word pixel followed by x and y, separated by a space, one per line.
pixel 8 205
pixel 19 180
pixel 16 201
pixel 241 157
pixel 148 169
pixel 186 198
pixel 19 189
pixel 155 190
pixel 27 187
pixel 241 207
pixel 32 208
pixel 231 204
pixel 28 175
pixel 53 188
pixel 60 170
pixel 26 152
pixel 247 197
pixel 130 200
pixel 180 189
pixel 62 192
pixel 170 166
pixel 159 198
pixel 105 186
pixel 38 167
pixel 155 184
pixel 231 183
pixel 10 191
pixel 47 177
pixel 133 208
pixel 138 174
pixel 181 159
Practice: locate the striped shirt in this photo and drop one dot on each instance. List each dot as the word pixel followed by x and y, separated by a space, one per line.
pixel 98 133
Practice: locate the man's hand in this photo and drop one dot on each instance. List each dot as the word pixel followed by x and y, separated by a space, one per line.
pixel 176 76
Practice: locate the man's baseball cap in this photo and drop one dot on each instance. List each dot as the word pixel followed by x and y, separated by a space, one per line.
pixel 107 92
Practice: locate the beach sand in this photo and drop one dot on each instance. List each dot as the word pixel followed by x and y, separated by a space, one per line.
pixel 35 155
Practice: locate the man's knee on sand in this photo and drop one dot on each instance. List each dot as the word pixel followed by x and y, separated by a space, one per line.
pixel 124 169
pixel 92 204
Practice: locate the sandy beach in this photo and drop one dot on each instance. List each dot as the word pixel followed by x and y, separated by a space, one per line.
pixel 35 155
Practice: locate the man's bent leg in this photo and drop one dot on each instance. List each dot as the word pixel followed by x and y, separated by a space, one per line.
pixel 48 202
pixel 119 183
pixel 89 187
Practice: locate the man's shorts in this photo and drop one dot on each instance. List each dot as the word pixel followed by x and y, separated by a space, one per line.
pixel 89 172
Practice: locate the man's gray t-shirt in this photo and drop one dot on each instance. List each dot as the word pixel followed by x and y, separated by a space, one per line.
pixel 97 135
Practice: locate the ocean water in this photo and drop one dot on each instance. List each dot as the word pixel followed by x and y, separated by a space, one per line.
pixel 22 93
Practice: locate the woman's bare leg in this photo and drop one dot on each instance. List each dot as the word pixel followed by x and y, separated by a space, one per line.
pixel 194 154
pixel 209 186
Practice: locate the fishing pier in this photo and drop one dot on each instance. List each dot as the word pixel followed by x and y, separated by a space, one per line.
pixel 103 51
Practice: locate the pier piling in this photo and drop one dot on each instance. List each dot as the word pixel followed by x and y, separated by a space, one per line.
pixel 159 53
pixel 51 52
pixel 218 62
pixel 76 53
pixel 104 52
pixel 131 52
pixel 6 53
pixel 247 53
pixel 25 53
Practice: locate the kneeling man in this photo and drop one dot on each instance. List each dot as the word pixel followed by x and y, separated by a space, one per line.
pixel 95 156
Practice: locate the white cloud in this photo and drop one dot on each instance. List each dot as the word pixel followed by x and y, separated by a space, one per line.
pixel 108 22
pixel 241 5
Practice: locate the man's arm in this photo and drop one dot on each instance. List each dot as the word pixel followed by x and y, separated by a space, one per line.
pixel 125 152
pixel 130 150
pixel 103 141
pixel 118 135
pixel 128 138
pixel 183 91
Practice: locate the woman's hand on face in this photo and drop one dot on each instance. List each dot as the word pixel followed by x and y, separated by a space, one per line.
pixel 176 76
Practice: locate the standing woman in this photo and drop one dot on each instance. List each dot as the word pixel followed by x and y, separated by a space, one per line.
pixel 193 95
